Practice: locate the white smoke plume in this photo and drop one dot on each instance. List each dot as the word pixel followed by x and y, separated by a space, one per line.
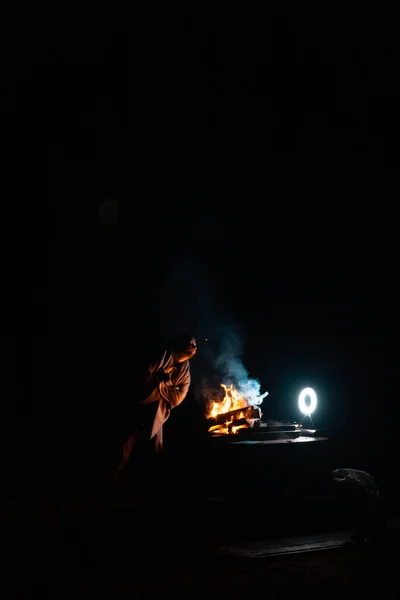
pixel 202 313
pixel 232 369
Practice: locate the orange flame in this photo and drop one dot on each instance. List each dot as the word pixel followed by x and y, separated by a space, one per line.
pixel 232 400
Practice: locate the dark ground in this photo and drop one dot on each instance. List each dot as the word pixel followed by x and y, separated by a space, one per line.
pixel 97 557
pixel 160 536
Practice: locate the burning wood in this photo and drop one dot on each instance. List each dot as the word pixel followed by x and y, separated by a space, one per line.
pixel 248 412
pixel 233 413
pixel 233 426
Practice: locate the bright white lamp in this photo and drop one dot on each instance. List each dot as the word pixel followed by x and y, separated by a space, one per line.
pixel 307 407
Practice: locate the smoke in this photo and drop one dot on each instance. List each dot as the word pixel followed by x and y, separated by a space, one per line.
pixel 225 365
pixel 232 370
pixel 190 302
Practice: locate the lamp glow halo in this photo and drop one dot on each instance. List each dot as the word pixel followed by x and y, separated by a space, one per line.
pixel 306 408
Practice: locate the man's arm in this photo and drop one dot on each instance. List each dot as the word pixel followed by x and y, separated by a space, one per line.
pixel 174 394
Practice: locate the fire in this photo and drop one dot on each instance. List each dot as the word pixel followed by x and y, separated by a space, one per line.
pixel 226 428
pixel 233 400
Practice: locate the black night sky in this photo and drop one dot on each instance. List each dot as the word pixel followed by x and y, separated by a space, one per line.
pixel 233 178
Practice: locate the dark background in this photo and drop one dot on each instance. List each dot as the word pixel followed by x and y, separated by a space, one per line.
pixel 251 164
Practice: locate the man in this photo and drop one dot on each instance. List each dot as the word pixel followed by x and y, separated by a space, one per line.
pixel 165 386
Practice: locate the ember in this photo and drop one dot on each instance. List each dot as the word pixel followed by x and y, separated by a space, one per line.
pixel 232 413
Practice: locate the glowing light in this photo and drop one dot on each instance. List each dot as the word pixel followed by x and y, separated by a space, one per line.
pixel 233 400
pixel 307 408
